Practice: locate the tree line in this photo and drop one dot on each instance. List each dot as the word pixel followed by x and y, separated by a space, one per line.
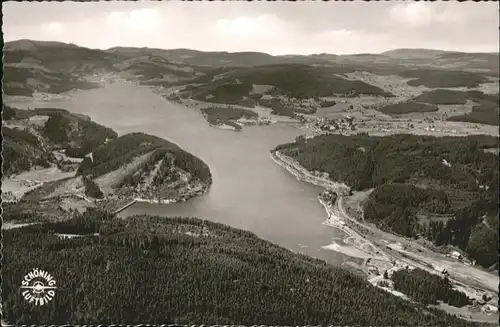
pixel 428 288
pixel 123 150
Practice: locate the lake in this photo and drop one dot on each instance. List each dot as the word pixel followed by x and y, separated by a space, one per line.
pixel 249 190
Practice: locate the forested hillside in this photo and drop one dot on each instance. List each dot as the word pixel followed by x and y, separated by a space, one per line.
pixel 437 188
pixel 227 116
pixel 145 166
pixel 302 81
pixel 188 271
pixel 484 111
pixel 433 78
pixel 124 149
pixel 24 81
pixel 21 151
pixel 236 85
pixel 32 135
pixel 427 288
pixel 407 107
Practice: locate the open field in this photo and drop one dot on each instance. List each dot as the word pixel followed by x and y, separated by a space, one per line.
pixel 30 180
pixel 429 123
pixel 366 110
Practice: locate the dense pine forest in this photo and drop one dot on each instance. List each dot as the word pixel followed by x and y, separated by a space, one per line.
pixel 433 78
pixel 32 144
pixel 303 81
pixel 126 148
pixel 53 82
pixel 21 151
pixel 427 288
pixel 407 107
pixel 222 115
pixel 188 271
pixel 484 111
pixel 442 188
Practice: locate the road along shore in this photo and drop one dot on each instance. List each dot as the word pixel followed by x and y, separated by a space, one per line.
pixel 387 251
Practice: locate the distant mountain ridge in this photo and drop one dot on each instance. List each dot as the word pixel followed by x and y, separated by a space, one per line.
pixel 407 53
pixel 26 44
pixel 56 67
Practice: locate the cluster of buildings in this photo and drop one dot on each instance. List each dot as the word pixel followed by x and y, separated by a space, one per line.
pixel 329 197
pixel 9 197
pixel 29 183
pixel 331 125
pixel 258 121
pixel 458 256
pixel 299 117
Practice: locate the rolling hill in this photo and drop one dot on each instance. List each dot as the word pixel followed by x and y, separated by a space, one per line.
pixel 51 67
pixel 420 53
pixel 139 165
pixel 25 79
pixel 433 78
pixel 58 56
pixel 116 172
pixel 453 60
pixel 283 88
pixel 58 67
pixel 32 135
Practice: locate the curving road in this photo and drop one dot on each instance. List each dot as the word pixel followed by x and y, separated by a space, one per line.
pixel 424 258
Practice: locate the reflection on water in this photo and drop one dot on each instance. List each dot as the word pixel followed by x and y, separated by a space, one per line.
pixel 249 190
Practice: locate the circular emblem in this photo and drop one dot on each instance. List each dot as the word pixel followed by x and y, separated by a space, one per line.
pixel 38 287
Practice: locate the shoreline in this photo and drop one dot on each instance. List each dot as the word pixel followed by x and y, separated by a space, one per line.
pixel 304 175
pixel 353 238
pixel 391 260
pixel 179 198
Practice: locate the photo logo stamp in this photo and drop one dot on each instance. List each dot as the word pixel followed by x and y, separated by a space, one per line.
pixel 38 286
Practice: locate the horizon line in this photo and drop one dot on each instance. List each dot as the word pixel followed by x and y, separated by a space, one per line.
pixel 250 51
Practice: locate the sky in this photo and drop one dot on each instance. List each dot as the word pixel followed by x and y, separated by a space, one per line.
pixel 276 28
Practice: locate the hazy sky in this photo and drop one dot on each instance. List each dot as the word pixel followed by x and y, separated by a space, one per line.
pixel 272 27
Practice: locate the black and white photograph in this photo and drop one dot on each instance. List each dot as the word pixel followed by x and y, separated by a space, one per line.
pixel 291 163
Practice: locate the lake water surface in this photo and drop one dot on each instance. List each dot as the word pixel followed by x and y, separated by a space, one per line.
pixel 249 190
